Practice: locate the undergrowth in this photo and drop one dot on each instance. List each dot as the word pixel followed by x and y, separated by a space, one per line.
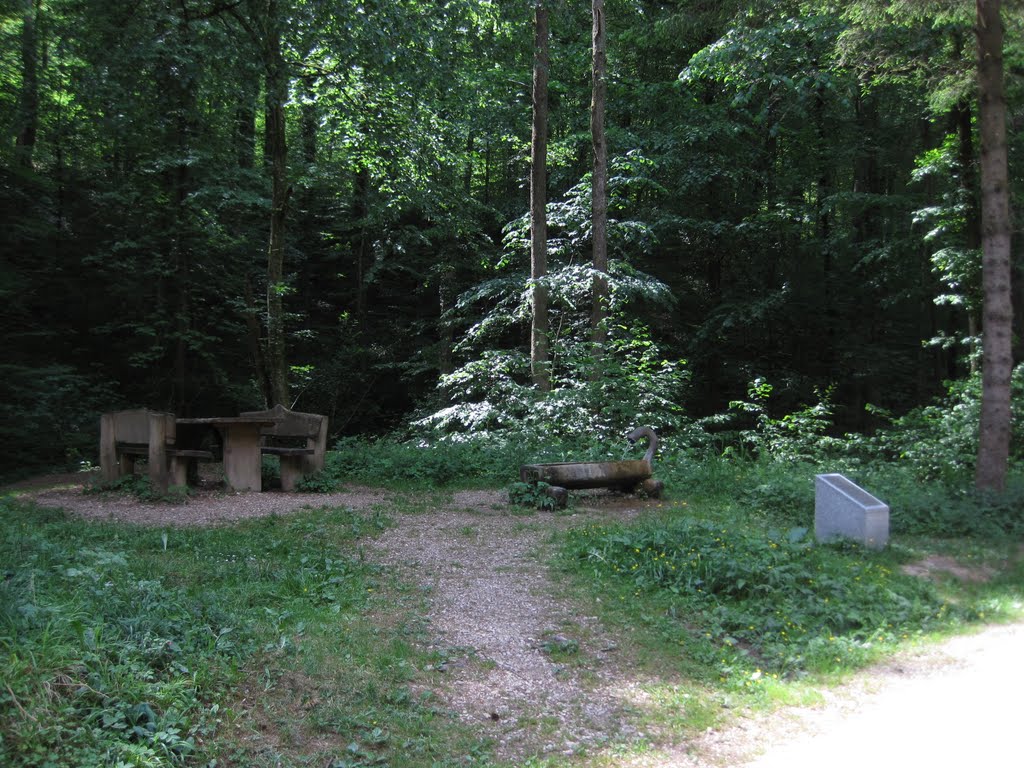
pixel 750 605
pixel 480 461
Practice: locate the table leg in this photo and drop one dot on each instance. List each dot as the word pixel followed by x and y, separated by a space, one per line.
pixel 242 458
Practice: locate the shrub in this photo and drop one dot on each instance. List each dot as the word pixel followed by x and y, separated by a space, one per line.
pixel 534 495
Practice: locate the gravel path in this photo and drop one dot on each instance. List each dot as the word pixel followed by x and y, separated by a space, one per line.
pixel 533 671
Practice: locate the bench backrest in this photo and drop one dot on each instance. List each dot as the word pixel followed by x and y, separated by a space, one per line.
pixel 311 427
pixel 123 433
pixel 134 426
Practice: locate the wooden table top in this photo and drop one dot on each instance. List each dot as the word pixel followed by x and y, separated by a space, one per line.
pixel 263 421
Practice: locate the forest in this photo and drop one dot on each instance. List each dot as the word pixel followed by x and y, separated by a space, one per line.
pixel 478 234
pixel 214 205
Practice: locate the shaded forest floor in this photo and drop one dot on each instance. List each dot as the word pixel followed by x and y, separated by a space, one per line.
pixel 526 662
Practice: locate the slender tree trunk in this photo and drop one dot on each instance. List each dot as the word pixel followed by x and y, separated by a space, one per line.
pixel 244 133
pixel 362 244
pixel 599 226
pixel 28 100
pixel 997 310
pixel 487 172
pixel 968 184
pixel 446 295
pixel 539 356
pixel 467 178
pixel 254 340
pixel 309 127
pixel 177 88
pixel 277 94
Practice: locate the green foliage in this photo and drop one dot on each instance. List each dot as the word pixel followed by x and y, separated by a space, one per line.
pixel 631 182
pixel 418 463
pixel 126 646
pixel 950 511
pixel 947 223
pixel 936 442
pixel 921 464
pixel 762 603
pixel 797 436
pixel 49 416
pixel 110 663
pixel 319 482
pixel 593 398
pixel 532 495
pixel 940 442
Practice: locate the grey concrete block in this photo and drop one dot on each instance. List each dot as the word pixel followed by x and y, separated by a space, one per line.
pixel 844 509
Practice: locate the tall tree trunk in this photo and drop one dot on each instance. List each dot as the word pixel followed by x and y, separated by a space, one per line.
pixel 361 193
pixel 487 172
pixel 244 134
pixel 277 94
pixel 28 99
pixel 539 355
pixel 997 310
pixel 446 294
pixel 599 226
pixel 825 356
pixel 309 124
pixel 968 184
pixel 467 178
pixel 254 340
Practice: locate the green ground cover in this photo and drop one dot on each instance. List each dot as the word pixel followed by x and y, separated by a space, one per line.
pixel 274 642
pixel 270 642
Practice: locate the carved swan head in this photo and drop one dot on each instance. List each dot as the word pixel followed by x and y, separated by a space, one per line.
pixel 651 435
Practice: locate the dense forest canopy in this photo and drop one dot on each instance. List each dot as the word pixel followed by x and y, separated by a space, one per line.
pixel 199 195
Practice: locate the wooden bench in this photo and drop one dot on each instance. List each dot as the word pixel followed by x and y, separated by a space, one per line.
pixel 298 439
pixel 127 435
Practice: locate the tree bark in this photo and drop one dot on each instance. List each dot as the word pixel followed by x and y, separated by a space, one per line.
pixel 997 309
pixel 539 353
pixel 446 294
pixel 362 244
pixel 28 99
pixel 599 225
pixel 254 340
pixel 277 94
pixel 244 124
pixel 968 184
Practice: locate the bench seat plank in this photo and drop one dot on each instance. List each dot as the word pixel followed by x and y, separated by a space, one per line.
pixel 190 454
pixel 137 449
pixel 274 450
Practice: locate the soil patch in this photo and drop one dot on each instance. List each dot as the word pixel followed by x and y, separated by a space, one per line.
pixel 936 566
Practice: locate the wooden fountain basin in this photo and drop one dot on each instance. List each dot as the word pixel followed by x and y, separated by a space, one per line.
pixel 588 474
pixel 629 475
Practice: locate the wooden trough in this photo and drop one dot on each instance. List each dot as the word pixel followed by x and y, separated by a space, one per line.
pixel 629 476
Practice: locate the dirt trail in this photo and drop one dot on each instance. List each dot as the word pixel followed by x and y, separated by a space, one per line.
pixel 522 664
pixel 957 705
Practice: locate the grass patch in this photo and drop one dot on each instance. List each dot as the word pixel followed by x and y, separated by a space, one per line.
pixel 750 606
pixel 269 643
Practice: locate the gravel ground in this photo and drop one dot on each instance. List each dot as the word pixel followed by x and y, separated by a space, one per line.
pixel 534 672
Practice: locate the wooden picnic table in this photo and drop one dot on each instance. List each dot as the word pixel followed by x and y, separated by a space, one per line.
pixel 240 439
